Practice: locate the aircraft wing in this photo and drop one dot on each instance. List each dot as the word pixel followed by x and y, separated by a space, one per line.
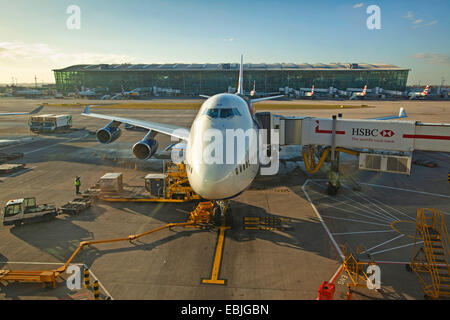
pixel 401 114
pixel 22 113
pixel 266 98
pixel 171 130
pixel 13 114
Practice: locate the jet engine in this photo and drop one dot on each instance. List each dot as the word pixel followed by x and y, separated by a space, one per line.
pixel 110 133
pixel 147 147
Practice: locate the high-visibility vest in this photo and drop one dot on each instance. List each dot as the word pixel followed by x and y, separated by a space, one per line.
pixel 77 182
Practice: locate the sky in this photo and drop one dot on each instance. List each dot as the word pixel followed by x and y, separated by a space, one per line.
pixel 35 37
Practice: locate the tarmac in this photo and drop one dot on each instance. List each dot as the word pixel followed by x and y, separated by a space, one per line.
pixel 295 244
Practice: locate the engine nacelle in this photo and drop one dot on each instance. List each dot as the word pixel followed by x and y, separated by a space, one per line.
pixel 108 134
pixel 145 149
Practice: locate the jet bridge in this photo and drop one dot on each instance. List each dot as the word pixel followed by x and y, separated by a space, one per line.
pixel 382 145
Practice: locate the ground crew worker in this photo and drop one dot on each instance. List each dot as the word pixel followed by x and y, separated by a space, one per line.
pixel 77 185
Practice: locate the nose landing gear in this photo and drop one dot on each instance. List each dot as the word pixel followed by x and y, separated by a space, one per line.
pixel 211 213
pixel 223 206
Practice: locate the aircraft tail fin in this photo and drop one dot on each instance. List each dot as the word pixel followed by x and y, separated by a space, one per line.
pixel 87 110
pixel 241 77
pixel 37 110
pixel 253 92
pixel 401 114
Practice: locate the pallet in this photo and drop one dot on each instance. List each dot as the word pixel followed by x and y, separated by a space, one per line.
pixel 5 157
pixel 9 168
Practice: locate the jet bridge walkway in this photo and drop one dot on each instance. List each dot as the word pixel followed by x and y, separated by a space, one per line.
pixel 382 144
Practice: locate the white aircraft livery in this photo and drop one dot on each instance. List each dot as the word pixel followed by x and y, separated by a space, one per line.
pixel 418 95
pixel 359 95
pixel 220 113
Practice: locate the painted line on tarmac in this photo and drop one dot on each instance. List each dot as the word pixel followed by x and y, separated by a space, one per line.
pixel 367 199
pixel 379 218
pixel 338 249
pixel 408 190
pixel 361 232
pixel 352 212
pixel 383 243
pixel 15 174
pixel 41 263
pixel 386 250
pixel 360 221
pixel 18 145
pixel 336 274
pixel 53 145
pixel 99 283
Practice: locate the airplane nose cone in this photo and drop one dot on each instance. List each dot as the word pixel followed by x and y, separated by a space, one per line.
pixel 213 182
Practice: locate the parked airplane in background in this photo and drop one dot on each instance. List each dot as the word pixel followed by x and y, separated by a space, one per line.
pixel 310 94
pixel 359 95
pixel 22 113
pixel 132 93
pixel 254 93
pixel 418 95
pixel 85 93
pixel 224 111
pixel 27 93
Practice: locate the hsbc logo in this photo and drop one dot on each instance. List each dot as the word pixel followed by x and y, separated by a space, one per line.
pixel 387 133
pixel 363 132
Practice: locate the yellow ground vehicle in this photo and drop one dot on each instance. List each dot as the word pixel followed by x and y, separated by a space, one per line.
pixel 171 186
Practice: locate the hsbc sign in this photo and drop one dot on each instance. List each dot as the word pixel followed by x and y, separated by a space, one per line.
pixel 365 132
pixel 362 134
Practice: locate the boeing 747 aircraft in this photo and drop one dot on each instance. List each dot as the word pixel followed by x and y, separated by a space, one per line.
pixel 212 181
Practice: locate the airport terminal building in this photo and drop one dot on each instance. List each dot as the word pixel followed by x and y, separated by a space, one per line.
pixel 195 79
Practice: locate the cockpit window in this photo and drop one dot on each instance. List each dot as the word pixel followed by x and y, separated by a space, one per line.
pixel 224 113
pixel 213 113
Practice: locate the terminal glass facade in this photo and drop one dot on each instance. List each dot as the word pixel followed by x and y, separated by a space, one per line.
pixel 210 82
